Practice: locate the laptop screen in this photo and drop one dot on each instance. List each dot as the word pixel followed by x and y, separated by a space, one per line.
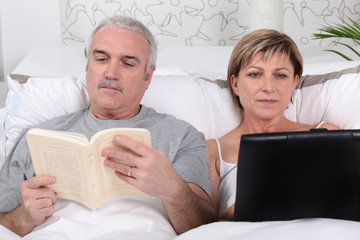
pixel 291 175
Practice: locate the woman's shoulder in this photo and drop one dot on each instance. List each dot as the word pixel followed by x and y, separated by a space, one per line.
pixel 305 127
pixel 226 145
pixel 212 146
pixel 328 126
pixel 222 141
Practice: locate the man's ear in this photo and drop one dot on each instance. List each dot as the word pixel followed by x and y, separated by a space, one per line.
pixel 149 76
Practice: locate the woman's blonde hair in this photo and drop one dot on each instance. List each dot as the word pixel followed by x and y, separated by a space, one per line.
pixel 271 42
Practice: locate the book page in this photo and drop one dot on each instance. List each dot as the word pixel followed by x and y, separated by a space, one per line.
pixel 67 162
pixel 77 138
pixel 111 185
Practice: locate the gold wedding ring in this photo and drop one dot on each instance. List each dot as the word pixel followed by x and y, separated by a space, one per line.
pixel 129 172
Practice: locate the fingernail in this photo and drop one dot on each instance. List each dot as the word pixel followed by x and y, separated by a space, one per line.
pixel 52 180
pixel 106 152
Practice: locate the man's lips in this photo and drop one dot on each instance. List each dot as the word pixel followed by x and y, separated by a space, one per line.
pixel 111 85
pixel 110 88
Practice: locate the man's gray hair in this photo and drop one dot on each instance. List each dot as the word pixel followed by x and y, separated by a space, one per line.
pixel 129 24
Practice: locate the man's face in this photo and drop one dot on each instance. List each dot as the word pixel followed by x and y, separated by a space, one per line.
pixel 115 75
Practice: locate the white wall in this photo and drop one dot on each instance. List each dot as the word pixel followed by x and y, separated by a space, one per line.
pixel 23 25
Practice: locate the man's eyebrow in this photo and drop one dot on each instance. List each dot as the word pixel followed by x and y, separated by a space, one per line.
pixel 131 58
pixel 97 51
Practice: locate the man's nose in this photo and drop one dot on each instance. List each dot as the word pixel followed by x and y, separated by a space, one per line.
pixel 112 70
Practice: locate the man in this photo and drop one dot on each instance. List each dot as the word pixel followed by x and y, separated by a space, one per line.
pixel 121 60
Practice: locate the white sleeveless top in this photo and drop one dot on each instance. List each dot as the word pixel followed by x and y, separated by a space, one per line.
pixel 227 187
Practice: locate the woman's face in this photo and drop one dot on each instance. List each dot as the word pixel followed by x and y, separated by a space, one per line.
pixel 265 86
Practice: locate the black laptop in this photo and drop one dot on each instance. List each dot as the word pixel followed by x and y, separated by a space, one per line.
pixel 292 175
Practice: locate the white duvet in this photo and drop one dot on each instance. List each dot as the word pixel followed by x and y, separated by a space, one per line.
pixel 301 229
pixel 133 218
pixel 126 218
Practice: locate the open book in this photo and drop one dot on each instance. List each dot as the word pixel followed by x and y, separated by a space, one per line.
pixel 78 165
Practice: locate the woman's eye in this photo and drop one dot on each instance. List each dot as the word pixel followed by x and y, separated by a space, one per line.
pixel 281 76
pixel 254 75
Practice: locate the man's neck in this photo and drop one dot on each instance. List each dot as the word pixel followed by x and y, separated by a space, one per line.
pixel 105 114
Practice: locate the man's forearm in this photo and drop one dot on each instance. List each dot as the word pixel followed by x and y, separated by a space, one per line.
pixel 190 208
pixel 15 222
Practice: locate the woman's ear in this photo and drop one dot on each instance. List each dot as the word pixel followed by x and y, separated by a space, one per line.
pixel 234 84
pixel 296 81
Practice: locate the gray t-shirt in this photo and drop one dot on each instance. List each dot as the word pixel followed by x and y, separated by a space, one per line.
pixel 182 143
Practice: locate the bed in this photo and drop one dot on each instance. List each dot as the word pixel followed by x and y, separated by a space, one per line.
pixel 189 84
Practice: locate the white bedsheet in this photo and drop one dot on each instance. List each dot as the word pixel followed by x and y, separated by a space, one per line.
pixel 147 221
pixel 302 229
pixel 126 218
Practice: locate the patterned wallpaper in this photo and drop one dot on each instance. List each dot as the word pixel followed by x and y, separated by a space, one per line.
pixel 203 22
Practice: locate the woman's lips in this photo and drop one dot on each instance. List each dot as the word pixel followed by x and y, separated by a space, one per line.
pixel 267 100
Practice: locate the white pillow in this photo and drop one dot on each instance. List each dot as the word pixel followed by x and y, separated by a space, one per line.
pixel 206 104
pixel 180 96
pixel 332 97
pixel 40 99
pixel 221 113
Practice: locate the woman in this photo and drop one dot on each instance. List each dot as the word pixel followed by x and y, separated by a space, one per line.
pixel 264 69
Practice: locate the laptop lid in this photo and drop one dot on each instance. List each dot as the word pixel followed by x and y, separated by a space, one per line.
pixel 291 175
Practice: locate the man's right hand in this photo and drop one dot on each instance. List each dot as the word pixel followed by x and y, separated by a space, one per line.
pixel 37 205
pixel 38 200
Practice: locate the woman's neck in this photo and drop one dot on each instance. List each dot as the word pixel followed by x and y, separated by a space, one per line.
pixel 280 124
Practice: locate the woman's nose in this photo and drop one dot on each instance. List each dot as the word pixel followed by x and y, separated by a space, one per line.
pixel 268 85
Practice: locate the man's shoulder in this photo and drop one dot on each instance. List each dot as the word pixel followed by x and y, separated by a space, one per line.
pixel 171 125
pixel 164 117
pixel 58 122
pixel 151 112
